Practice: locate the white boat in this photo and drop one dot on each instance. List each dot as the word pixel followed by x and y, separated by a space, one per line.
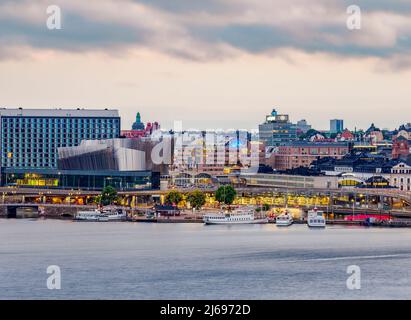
pixel 316 218
pixel 114 214
pixel 94 215
pixel 285 219
pixel 235 217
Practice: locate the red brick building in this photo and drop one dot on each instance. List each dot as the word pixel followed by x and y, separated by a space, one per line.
pixel 302 153
pixel 400 148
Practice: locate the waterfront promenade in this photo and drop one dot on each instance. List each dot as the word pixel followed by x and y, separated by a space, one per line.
pixel 339 202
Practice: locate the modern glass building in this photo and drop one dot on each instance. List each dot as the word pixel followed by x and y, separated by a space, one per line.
pixel 30 137
pixel 80 179
pixel 277 129
pixel 336 125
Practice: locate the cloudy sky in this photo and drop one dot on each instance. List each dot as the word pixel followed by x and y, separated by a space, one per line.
pixel 211 64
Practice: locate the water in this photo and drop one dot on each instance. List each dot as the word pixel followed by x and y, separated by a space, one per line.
pixel 192 261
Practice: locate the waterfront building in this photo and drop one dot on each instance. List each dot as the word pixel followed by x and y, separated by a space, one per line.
pixel 400 176
pixel 363 164
pixel 336 125
pixel 302 153
pixel 277 129
pixel 30 137
pixel 121 154
pixel 288 181
pixel 362 169
pixel 125 164
pixel 80 179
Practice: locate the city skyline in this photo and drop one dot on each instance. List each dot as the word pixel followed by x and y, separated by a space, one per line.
pixel 221 62
pixel 128 119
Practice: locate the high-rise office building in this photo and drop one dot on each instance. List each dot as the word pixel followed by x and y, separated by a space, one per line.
pixel 277 130
pixel 336 125
pixel 30 137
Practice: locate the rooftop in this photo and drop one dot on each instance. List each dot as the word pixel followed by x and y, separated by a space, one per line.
pixel 15 112
pixel 303 143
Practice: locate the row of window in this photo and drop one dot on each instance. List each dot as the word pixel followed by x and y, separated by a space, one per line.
pixel 30 133
pixel 38 164
pixel 58 120
pixel 70 139
pixel 34 131
pixel 402 180
pixel 402 171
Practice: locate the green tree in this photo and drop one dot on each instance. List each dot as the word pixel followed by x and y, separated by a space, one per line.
pixel 225 194
pixel 108 196
pixel 173 197
pixel 196 198
pixel 265 207
pixel 97 199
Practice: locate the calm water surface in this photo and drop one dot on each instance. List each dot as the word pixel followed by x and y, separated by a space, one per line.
pixel 192 261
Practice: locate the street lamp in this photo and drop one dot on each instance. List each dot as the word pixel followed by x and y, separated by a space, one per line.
pixel 353 207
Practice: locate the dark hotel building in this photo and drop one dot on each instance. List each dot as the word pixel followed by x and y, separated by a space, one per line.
pixel 30 137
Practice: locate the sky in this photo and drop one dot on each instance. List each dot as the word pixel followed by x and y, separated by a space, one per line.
pixel 214 64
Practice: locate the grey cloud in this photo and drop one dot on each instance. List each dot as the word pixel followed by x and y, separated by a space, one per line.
pixel 188 6
pixel 220 25
pixel 77 34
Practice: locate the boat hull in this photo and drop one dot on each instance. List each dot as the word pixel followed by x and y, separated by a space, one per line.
pixel 257 221
pixel 316 225
pixel 91 220
pixel 284 223
pixel 117 218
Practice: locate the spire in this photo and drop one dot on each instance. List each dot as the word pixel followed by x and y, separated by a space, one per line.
pixel 138 125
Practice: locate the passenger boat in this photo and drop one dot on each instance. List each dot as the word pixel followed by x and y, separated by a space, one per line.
pixel 102 215
pixel 94 215
pixel 235 217
pixel 284 220
pixel 316 218
pixel 114 214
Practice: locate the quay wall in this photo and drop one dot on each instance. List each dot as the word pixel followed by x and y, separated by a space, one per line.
pixel 49 211
pixel 56 212
pixel 3 212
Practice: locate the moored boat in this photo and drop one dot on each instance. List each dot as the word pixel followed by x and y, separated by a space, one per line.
pixel 93 216
pixel 284 220
pixel 235 217
pixel 114 214
pixel 102 215
pixel 316 218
